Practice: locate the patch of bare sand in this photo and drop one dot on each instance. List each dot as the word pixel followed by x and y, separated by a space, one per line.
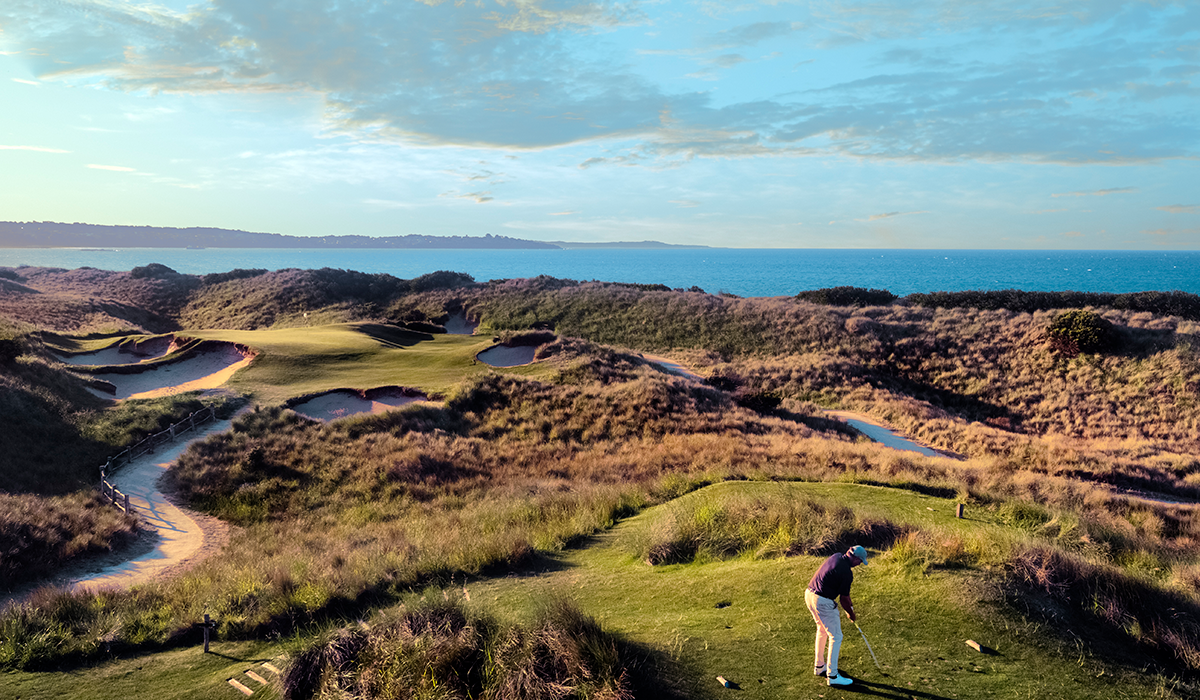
pixel 505 356
pixel 206 370
pixel 459 325
pixel 672 367
pixel 348 402
pixel 885 435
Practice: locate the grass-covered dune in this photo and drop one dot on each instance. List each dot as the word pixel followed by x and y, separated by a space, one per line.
pixel 635 496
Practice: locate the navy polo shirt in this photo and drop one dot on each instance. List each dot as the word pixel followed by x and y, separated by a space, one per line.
pixel 834 577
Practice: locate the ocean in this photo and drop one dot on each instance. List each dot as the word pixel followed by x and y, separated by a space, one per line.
pixel 744 272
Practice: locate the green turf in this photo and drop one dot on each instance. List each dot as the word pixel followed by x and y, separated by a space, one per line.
pixel 763 639
pixel 298 361
pixel 179 674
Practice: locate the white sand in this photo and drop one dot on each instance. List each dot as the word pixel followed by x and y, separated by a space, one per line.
pixel 876 431
pixel 204 371
pixel 504 356
pixel 459 325
pixel 176 538
pixel 339 404
pixel 672 367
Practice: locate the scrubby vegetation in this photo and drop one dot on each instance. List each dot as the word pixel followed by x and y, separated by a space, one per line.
pixel 442 649
pixel 339 518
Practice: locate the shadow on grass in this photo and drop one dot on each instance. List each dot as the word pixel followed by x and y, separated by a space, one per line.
pixel 883 690
pixel 392 336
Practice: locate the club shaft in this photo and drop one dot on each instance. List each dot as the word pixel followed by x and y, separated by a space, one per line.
pixel 864 636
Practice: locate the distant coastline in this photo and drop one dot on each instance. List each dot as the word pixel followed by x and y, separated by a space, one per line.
pixel 49 234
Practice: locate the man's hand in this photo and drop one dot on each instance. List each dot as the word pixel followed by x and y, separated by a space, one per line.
pixel 848 606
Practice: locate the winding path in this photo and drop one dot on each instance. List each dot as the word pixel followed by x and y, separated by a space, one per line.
pixel 183 536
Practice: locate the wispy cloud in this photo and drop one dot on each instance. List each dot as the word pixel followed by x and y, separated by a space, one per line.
pixel 1048 211
pixel 563 213
pixel 1181 208
pixel 891 214
pixel 115 168
pixel 477 197
pixel 1096 193
pixel 1072 234
pixel 38 149
pixel 685 203
pixel 25 82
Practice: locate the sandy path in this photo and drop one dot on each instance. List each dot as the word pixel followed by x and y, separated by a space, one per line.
pixel 183 537
pixel 672 367
pixel 875 430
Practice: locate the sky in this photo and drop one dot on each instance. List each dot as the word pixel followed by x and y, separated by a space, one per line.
pixel 996 124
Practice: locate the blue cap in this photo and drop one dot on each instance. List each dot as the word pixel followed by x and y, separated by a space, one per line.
pixel 858 551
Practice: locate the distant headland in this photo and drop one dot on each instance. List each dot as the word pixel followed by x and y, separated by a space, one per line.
pixel 49 234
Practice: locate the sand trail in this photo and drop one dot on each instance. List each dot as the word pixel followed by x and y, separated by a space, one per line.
pixel 123 353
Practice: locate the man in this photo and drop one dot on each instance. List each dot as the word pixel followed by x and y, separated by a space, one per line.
pixel 830 584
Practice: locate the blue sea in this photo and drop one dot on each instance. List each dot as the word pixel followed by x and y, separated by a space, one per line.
pixel 740 271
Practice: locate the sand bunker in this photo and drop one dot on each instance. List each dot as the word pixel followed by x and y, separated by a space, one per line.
pixel 459 325
pixel 340 403
pixel 505 356
pixel 204 370
pixel 125 353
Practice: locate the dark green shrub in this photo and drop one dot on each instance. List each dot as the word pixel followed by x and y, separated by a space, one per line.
pixel 1073 332
pixel 153 270
pixel 442 279
pixel 848 296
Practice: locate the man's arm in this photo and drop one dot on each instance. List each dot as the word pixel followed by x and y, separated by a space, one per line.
pixel 848 606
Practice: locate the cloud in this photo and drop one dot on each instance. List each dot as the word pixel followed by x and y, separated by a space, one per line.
pixel 1048 211
pixel 477 197
pixel 115 168
pixel 25 82
pixel 1181 208
pixel 38 149
pixel 889 215
pixel 1096 193
pixel 685 203
pixel 1072 234
pixel 563 213
pixel 538 74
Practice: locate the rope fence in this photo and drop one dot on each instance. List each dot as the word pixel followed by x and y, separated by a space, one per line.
pixel 121 500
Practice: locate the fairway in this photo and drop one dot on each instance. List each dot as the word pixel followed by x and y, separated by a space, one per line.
pixel 300 361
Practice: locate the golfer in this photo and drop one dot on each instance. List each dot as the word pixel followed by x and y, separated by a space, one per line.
pixel 830 584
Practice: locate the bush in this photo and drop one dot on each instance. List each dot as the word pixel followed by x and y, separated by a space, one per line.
pixel 441 650
pixel 152 271
pixel 1073 332
pixel 848 296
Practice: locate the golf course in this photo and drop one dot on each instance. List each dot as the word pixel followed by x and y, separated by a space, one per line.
pixel 542 488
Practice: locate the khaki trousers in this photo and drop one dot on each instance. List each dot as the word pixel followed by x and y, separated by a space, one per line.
pixel 829 630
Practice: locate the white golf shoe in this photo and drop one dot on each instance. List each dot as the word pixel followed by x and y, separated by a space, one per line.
pixel 838 680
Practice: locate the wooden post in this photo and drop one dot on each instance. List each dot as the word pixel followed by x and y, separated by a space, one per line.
pixel 208 625
pixel 958 512
pixel 126 503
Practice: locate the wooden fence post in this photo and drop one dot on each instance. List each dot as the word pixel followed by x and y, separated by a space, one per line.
pixel 958 512
pixel 126 503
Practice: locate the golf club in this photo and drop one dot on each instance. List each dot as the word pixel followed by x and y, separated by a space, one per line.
pixel 864 636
